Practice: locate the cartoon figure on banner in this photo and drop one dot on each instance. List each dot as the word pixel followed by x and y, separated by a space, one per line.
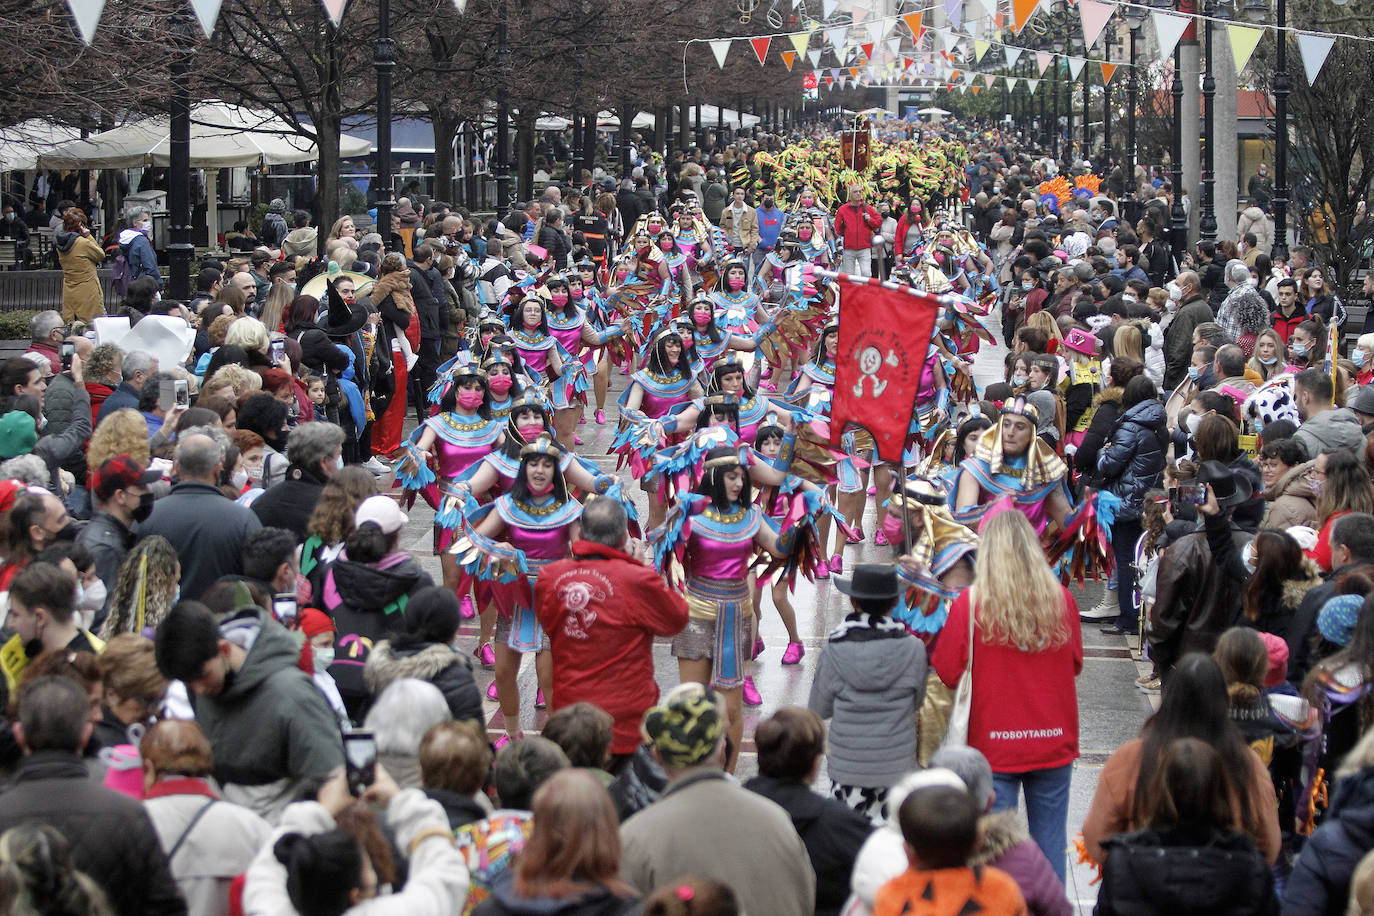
pixel 870 364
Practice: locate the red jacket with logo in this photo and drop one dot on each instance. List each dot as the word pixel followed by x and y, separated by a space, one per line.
pixel 855 225
pixel 602 609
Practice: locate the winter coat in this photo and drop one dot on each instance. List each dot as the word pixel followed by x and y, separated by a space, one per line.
pixel 870 682
pixel 1154 354
pixel 832 831
pixel 1320 882
pixel 1253 219
pixel 1178 872
pixel 460 809
pixel 362 598
pixel 215 849
pixel 639 784
pixel 1133 461
pixel 301 243
pixel 290 503
pixel 1178 339
pixel 437 663
pixel 436 881
pixel 1291 501
pixel 80 256
pixel 271 729
pixel 1195 599
pixel 110 836
pixel 207 529
pixel 600 902
pixel 1004 844
pixel 1108 404
pixel 273 231
pixel 139 254
pixel 1337 428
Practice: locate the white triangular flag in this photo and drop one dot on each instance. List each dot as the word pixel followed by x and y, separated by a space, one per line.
pixel 828 8
pixel 335 9
pixel 1076 67
pixel 87 16
pixel 461 6
pixel 836 37
pixel 207 12
pixel 1042 60
pixel 1094 16
pixel 877 28
pixel 1032 85
pixel 894 45
pixel 814 55
pixel 1169 28
pixel 720 47
pixel 1013 55
pixel 1011 84
pixel 1314 49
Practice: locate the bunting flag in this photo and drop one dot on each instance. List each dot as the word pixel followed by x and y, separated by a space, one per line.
pixel 836 37
pixel 814 55
pixel 867 48
pixel 335 9
pixel 207 12
pixel 1076 67
pixel 948 40
pixel 1107 71
pixel 828 8
pixel 1021 13
pixel 1093 17
pixel 1013 55
pixel 853 73
pixel 988 80
pixel 788 57
pixel 1314 49
pixel 87 16
pixel 1243 38
pixel 976 89
pixel 877 28
pixel 980 48
pixel 800 41
pixel 1169 28
pixel 913 22
pixel 954 12
pixel 1042 60
pixel 1032 85
pixel 860 13
pixel 461 6
pixel 894 45
pixel 761 47
pixel 720 48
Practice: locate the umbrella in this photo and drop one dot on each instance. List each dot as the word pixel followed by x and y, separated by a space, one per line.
pixel 938 112
pixel 222 136
pixel 21 144
pixel 876 113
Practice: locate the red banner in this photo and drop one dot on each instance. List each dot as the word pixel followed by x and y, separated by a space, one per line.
pixel 884 337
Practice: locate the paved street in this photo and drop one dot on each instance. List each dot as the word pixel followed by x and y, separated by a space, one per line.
pixel 1111 709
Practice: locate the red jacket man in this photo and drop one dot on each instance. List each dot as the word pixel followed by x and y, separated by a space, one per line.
pixel 602 609
pixel 856 221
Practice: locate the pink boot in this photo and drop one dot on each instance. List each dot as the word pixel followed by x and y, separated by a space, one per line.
pixel 837 564
pixel 600 417
pixel 492 692
pixel 467 609
pixel 758 647
pixel 822 570
pixel 539 701
pixel 794 653
pixel 486 656
pixel 751 693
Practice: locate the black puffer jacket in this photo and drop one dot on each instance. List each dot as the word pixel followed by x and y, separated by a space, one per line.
pixel 1133 461
pixel 1182 874
pixel 437 663
pixel 1320 882
pixel 111 837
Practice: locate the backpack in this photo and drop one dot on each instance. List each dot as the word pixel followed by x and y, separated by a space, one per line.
pixel 121 274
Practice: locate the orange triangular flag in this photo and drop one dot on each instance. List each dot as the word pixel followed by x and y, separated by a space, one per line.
pixel 788 57
pixel 913 22
pixel 999 19
pixel 853 72
pixel 1022 10
pixel 868 50
pixel 1107 71
pixel 760 47
pixel 976 89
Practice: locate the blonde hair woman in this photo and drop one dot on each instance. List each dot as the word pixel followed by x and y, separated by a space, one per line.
pixel 1028 651
pixel 249 333
pixel 240 381
pixel 278 301
pixel 123 432
pixel 146 587
pixel 1268 359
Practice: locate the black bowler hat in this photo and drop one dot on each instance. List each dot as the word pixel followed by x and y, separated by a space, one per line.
pixel 870 582
pixel 1229 487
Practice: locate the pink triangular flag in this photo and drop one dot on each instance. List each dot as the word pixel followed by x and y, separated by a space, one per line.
pixel 1093 17
pixel 1042 60
pixel 335 9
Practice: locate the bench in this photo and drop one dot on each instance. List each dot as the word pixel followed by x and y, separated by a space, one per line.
pixel 42 289
pixel 1356 312
pixel 9 254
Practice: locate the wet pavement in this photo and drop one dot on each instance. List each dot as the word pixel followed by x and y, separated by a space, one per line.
pixel 1111 709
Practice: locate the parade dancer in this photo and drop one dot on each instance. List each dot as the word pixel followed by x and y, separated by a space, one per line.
pixel 586 293
pixel 547 361
pixel 1011 461
pixel 739 310
pixel 665 381
pixel 568 324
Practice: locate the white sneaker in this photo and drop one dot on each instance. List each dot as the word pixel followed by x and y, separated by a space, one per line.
pixel 1107 608
pixel 375 466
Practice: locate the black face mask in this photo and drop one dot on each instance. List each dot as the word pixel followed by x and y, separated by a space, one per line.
pixel 144 508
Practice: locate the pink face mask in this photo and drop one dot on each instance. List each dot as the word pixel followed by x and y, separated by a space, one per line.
pixel 501 384
pixel 736 284
pixel 654 228
pixel 542 491
pixel 804 234
pixel 559 299
pixel 577 293
pixel 701 316
pixel 469 400
pixel 666 245
pixel 486 339
pixel 530 431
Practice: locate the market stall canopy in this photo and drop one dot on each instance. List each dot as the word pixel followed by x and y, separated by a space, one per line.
pixel 642 120
pixel 937 112
pixel 710 116
pixel 222 136
pixel 22 144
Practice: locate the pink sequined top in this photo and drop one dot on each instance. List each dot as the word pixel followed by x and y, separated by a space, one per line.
pixel 457 448
pixel 721 549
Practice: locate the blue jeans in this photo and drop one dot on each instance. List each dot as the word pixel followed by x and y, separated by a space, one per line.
pixel 1047 808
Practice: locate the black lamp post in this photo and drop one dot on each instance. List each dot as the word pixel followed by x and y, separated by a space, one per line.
pixel 384 59
pixel 1177 218
pixel 180 250
pixel 1107 102
pixel 1207 223
pixel 1135 18
pixel 1258 11
pixel 502 164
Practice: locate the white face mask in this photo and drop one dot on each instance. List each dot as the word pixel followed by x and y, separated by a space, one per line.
pixel 1175 291
pixel 1192 423
pixel 91 598
pixel 323 658
pixel 239 479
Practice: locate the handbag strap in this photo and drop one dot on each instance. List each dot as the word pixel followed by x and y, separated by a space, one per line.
pixel 176 847
pixel 972 610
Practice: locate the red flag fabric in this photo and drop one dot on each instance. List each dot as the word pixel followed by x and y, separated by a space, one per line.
pixel 884 336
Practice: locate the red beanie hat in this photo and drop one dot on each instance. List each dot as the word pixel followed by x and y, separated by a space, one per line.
pixel 313 622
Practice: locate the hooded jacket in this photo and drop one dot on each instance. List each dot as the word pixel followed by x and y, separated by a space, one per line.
pixel 437 663
pixel 1133 461
pixel 270 728
pixel 1253 219
pixel 1337 428
pixel 1004 844
pixel 301 242
pixel 362 597
pixel 870 682
pixel 832 831
pixel 80 256
pixel 139 254
pixel 1320 882
pixel 1179 872
pixel 1291 500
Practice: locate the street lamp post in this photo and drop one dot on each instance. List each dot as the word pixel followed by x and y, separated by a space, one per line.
pixel 1177 218
pixel 1135 18
pixel 180 250
pixel 1258 11
pixel 1207 223
pixel 384 59
pixel 1087 120
pixel 1107 105
pixel 502 164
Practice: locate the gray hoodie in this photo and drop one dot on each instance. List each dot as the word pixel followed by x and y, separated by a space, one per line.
pixel 870 682
pixel 1336 428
